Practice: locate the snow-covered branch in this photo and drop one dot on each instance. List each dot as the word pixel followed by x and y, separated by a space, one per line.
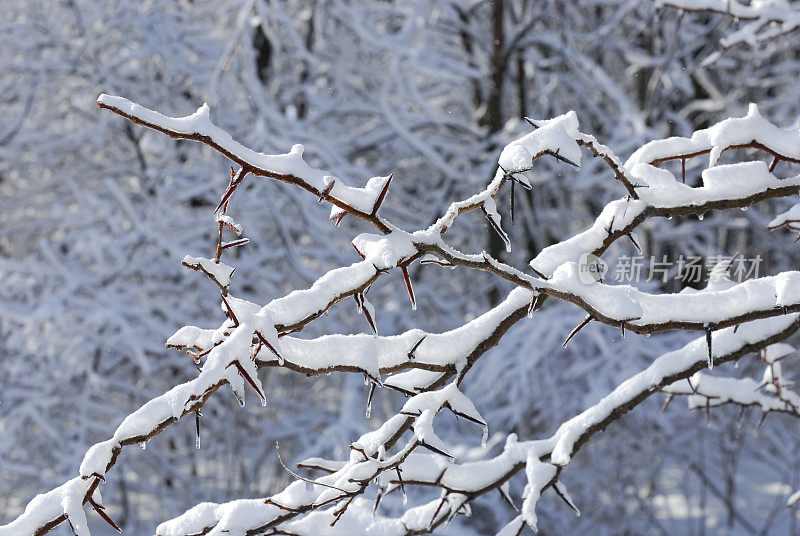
pixel 421 363
pixel 542 460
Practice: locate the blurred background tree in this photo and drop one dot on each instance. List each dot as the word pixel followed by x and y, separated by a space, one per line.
pixel 96 216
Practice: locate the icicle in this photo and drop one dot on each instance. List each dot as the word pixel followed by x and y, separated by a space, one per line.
pixel 485 435
pixel 197 429
pixel 534 297
pixel 512 201
pixel 708 344
pixel 368 411
pixel 143 445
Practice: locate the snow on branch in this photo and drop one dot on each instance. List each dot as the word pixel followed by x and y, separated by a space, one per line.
pixel 662 195
pixel 771 393
pixel 289 167
pixel 542 460
pixel 421 363
pixel 369 458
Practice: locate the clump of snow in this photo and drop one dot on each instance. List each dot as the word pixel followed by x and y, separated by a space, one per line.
pixel 555 135
pixel 219 272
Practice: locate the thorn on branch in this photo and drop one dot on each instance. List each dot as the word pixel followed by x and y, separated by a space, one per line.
pixel 298 477
pixel 610 228
pixel 326 192
pixel 692 387
pixel 231 314
pixel 435 449
pixel 380 271
pixel 761 421
pixel 340 512
pixel 99 508
pixel 499 230
pixel 580 326
pixel 407 279
pixel 363 307
pixel 278 505
pixel 557 156
pixel 359 252
pixel 521 183
pixel 669 398
pixel 272 349
pixel 378 498
pixel 434 260
pixel 402 485
pixel 249 380
pixel 410 354
pixel 382 195
pixel 465 416
pixel 236 179
pixel 561 491
pixel 436 513
pixel 635 244
pixel 774 163
pixel 71 526
pixel 235 243
pixel 539 274
pixel 503 490
pixel 337 218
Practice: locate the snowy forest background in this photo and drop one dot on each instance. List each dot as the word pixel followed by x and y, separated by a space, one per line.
pixel 96 215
